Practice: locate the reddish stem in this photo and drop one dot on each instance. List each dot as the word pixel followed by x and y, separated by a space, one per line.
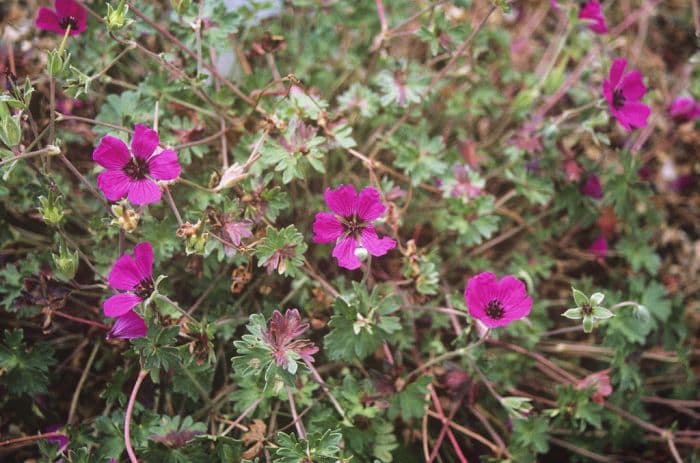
pixel 127 417
pixel 85 321
pixel 445 421
pixel 21 440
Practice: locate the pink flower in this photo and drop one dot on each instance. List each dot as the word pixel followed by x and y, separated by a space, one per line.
pixel 592 13
pixel 592 187
pixel 599 247
pixel 67 13
pixel 61 440
pixel 624 96
pixel 684 109
pixel 350 224
pixel 133 275
pixel 497 302
pixel 554 4
pixel 600 381
pixel 135 175
pixel 280 336
pixel 128 326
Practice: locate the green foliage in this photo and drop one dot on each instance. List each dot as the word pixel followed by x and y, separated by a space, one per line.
pixel 361 323
pixel 24 369
pixel 282 250
pixel 321 448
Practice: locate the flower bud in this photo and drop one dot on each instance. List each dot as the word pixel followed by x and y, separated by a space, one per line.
pixel 125 217
pixel 51 210
pixel 65 262
pixel 54 63
pixel 116 17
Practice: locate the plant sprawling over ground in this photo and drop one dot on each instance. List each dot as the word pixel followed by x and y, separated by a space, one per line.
pixel 349 231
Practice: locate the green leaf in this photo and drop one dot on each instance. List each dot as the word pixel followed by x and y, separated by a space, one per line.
pixel 317 448
pixel 24 369
pixel 410 403
pixel 282 250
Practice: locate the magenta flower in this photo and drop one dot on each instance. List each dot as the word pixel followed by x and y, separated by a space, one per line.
pixel 133 275
pixel 592 14
pixel 684 109
pixel 592 187
pixel 134 176
pixel 61 440
pixel 599 247
pixel 350 224
pixel 554 4
pixel 67 13
pixel 280 336
pixel 497 302
pixel 128 326
pixel 624 94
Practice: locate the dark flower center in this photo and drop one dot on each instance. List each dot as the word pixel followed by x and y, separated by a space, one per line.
pixel 586 309
pixel 144 289
pixel 494 309
pixel 618 98
pixel 353 225
pixel 68 21
pixel 136 168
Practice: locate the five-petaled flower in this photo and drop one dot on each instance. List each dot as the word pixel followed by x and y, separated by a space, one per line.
pixel 128 326
pixel 67 13
pixel 497 302
pixel 624 93
pixel 133 275
pixel 134 175
pixel 592 14
pixel 280 337
pixel 350 224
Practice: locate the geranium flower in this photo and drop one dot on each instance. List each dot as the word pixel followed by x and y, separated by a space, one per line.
pixel 135 175
pixel 497 302
pixel 350 224
pixel 131 274
pixel 61 440
pixel 624 94
pixel 592 13
pixel 592 187
pixel 684 109
pixel 599 247
pixel 554 4
pixel 128 326
pixel 67 13
pixel 280 336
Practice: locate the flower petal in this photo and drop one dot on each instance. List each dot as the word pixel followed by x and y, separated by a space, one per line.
pixel 144 192
pixel 616 70
pixel 373 244
pixel 369 204
pixel 164 165
pixel 47 20
pixel 128 326
pixel 327 228
pixel 632 86
pixel 344 251
pixel 119 304
pixel 516 302
pixel 125 274
pixel 144 142
pixel 114 184
pixel 480 291
pixel 72 8
pixel 143 258
pixel 112 153
pixel 341 200
pixel 634 115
